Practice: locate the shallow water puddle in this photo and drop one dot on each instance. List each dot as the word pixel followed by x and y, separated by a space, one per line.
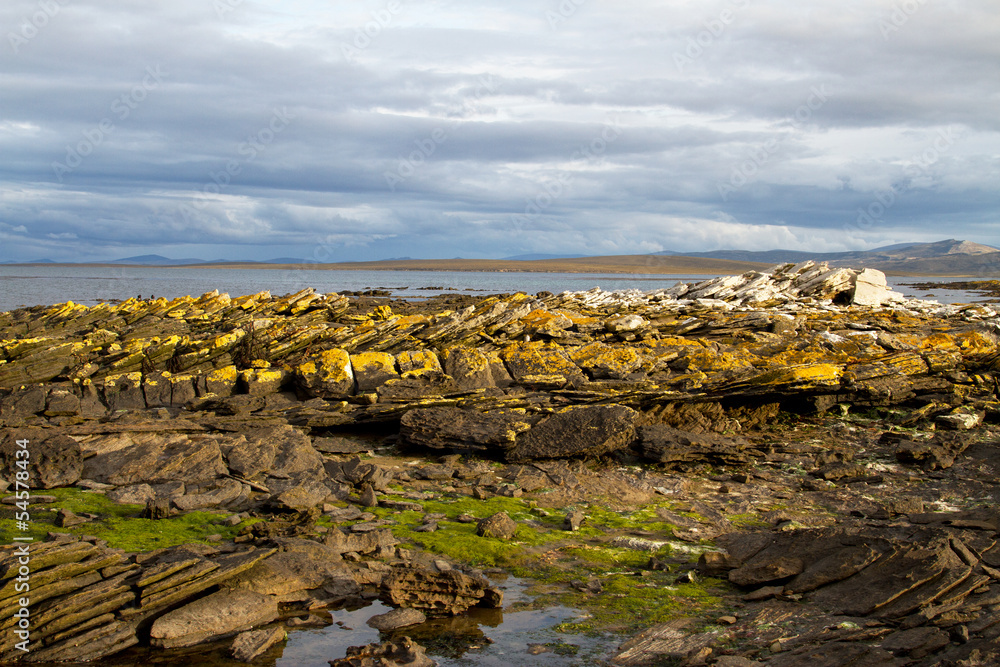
pixel 477 638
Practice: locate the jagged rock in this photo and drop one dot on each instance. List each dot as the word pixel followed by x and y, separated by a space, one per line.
pixel 124 392
pixel 498 525
pixel 213 617
pixel 403 653
pixel 359 473
pixel 395 619
pixel 583 431
pixel 870 288
pixel 250 645
pixel 157 508
pixel 53 459
pixel 22 403
pixel 438 593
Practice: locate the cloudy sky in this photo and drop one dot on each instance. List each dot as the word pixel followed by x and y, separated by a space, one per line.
pixel 334 130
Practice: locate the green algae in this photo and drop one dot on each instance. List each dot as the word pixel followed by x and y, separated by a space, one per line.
pixel 120 525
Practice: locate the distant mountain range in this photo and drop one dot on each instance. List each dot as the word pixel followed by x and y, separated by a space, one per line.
pixel 943 258
pixel 949 257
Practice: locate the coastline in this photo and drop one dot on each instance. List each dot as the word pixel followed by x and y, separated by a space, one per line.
pixel 628 454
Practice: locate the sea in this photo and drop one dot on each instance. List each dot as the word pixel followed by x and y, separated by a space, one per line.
pixel 25 286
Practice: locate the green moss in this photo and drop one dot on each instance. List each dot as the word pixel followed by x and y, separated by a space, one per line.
pixel 605 557
pixel 120 525
pixel 747 520
pixel 629 603
pixel 459 542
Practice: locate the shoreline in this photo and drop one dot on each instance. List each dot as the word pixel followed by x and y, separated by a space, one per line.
pixel 628 455
pixel 636 265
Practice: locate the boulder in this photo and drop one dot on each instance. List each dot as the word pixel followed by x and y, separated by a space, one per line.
pixel 581 431
pixel 469 367
pixel 498 525
pixel 277 450
pixel 52 459
pixel 328 374
pixel 870 288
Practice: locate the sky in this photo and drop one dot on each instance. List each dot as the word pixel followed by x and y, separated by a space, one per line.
pixel 363 130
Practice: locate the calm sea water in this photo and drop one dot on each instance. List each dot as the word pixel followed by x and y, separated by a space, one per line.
pixel 35 285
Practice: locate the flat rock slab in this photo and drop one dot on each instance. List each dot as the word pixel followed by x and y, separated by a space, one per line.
pixel 215 616
pixel 395 619
pixel 158 458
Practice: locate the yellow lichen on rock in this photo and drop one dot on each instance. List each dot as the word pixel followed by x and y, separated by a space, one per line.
pixel 539 359
pixel 421 363
pixel 327 374
pixel 603 361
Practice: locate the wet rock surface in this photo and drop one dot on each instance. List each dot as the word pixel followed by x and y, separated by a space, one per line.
pixel 802 452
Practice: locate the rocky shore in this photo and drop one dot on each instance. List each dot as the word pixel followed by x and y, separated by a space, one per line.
pixel 791 467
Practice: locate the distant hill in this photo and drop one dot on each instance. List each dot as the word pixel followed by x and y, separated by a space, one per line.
pixel 155 260
pixel 949 257
pixel 530 258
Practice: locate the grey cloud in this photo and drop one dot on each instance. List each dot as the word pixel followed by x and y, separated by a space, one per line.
pixel 446 138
